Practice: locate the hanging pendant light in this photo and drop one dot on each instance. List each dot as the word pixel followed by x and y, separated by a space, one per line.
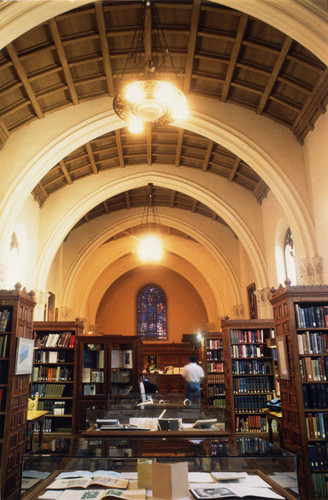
pixel 150 247
pixel 149 99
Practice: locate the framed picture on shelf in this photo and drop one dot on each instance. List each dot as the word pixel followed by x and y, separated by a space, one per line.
pixel 24 356
pixel 252 304
pixel 282 357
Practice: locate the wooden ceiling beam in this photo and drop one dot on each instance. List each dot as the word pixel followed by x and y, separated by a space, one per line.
pixel 234 169
pixel 119 148
pixel 91 158
pixel 234 56
pixel 106 207
pixel 63 60
pixel 314 102
pixel 286 102
pixel 195 13
pixel 40 194
pixel 208 155
pixel 287 43
pixel 100 18
pixel 127 199
pixel 179 147
pixel 260 191
pixel 4 134
pixel 172 199
pixel 65 172
pixel 25 81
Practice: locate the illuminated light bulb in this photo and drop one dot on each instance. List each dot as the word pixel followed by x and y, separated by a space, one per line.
pixel 135 126
pixel 134 93
pixel 165 93
pixel 150 249
pixel 180 108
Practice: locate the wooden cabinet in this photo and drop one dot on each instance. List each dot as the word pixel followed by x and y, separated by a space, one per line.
pixel 301 329
pixel 16 308
pixel 214 390
pixel 107 367
pixel 249 375
pixel 54 373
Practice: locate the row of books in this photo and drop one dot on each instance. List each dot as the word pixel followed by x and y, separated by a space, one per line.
pixel 253 403
pixel 314 369
pixel 218 403
pixel 318 453
pixel 215 378
pixel 55 373
pixel 252 384
pixel 53 407
pixel 251 423
pixel 320 485
pixel 316 425
pixel 251 446
pixel 50 356
pixel 315 396
pixel 214 355
pixel 311 316
pixel 215 367
pixel 48 390
pixel 4 346
pixel 59 445
pixel 247 351
pixel 5 317
pixel 63 339
pixel 214 344
pixel 252 367
pixel 247 336
pixel 216 390
pixel 312 343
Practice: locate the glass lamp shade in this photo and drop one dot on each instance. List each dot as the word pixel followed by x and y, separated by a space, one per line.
pixel 150 101
pixel 150 249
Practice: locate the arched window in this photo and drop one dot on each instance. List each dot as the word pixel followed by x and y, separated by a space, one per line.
pixel 151 313
pixel 290 266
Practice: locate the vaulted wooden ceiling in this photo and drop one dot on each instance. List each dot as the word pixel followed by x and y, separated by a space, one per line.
pixel 218 52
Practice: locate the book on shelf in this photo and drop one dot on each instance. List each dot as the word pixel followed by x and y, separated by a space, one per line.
pixel 4 320
pixel 4 346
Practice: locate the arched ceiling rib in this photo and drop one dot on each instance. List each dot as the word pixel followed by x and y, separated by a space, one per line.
pixel 157 146
pixel 234 58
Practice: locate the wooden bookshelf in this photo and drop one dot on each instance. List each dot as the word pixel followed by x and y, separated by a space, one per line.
pixel 302 328
pixel 214 369
pixel 107 367
pixel 14 388
pixel 54 373
pixel 249 375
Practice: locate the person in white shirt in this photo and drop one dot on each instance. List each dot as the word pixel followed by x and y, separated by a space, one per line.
pixel 193 374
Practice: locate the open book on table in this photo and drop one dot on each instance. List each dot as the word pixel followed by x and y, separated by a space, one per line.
pixel 139 494
pixel 218 492
pixel 85 482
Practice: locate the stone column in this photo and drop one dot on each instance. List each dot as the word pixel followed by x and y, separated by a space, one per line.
pixel 309 271
pixel 264 308
pixel 40 310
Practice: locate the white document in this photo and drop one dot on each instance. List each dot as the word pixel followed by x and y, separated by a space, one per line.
pixel 228 476
pixel 200 477
pixel 50 495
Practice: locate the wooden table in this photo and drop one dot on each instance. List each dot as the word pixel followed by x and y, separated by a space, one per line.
pixel 213 433
pixel 34 417
pixel 277 416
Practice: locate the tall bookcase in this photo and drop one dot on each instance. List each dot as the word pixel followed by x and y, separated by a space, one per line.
pixel 54 373
pixel 301 329
pixel 108 367
pixel 214 368
pixel 249 374
pixel 14 389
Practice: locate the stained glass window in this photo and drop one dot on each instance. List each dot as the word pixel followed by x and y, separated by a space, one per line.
pixel 151 313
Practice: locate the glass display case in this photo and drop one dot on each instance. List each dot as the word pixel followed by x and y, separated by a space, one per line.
pixel 248 462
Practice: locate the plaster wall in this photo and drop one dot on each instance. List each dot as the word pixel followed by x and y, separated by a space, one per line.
pixel 185 310
pixel 316 158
